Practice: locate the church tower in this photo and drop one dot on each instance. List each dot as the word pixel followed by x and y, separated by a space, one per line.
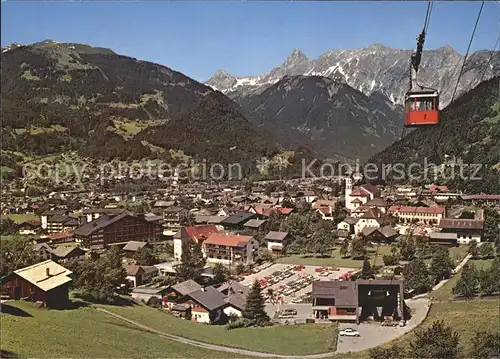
pixel 348 191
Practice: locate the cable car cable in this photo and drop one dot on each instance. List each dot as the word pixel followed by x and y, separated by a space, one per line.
pixel 467 53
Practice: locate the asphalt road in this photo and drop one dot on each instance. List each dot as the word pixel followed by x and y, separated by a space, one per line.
pixel 373 335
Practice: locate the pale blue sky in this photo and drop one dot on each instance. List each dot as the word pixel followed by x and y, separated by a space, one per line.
pixel 243 38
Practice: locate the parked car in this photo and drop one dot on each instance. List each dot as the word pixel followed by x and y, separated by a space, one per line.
pixel 349 332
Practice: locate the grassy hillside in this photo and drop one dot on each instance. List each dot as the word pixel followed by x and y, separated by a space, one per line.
pixel 84 333
pixel 60 97
pixel 279 339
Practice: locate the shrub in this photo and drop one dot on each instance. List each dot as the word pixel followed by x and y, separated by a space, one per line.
pixel 154 302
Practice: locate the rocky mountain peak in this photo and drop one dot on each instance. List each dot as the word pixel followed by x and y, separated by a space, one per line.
pixel 295 58
pixel 222 80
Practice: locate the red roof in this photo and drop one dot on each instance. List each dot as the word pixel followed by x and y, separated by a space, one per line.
pixel 433 188
pixel 231 240
pixel 63 235
pixel 198 232
pixel 360 192
pixel 483 196
pixel 285 211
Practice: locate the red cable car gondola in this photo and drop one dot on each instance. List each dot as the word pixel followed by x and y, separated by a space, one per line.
pixel 421 103
pixel 421 107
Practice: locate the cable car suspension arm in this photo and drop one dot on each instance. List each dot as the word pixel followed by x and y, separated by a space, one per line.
pixel 416 57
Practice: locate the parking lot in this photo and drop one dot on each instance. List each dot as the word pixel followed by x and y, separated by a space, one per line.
pixel 293 283
pixel 373 335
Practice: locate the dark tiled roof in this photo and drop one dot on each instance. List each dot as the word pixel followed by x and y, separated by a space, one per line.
pixel 99 223
pixel 238 218
pixel 103 210
pixel 344 292
pixel 254 223
pixel 275 236
pixel 134 246
pixel 452 223
pixel 186 287
pixel 208 297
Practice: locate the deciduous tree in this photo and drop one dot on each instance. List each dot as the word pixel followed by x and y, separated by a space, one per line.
pixel 441 264
pixel 436 342
pixel 416 276
pixel 468 284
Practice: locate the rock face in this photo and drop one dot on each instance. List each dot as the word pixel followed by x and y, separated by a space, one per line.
pixel 329 116
pixel 376 68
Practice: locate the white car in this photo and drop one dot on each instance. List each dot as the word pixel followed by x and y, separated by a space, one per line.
pixel 349 333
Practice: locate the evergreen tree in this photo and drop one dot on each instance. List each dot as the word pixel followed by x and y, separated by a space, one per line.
pixel 367 271
pixel 255 305
pixel 468 284
pixel 436 342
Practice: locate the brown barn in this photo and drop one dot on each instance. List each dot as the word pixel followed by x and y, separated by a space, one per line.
pixel 46 282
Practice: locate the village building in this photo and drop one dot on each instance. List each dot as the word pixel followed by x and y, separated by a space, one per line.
pixel 357 301
pixel 465 230
pixel 172 219
pixel 120 228
pixel 206 305
pixel 196 234
pixel 62 254
pixel 477 199
pixel 139 275
pixel 373 218
pixel 411 214
pixel 146 292
pixel 131 248
pixel 359 196
pixel 29 227
pixel 254 224
pixel 276 241
pixel 44 251
pixel 348 224
pixel 175 292
pixel 229 249
pixel 385 234
pixel 88 215
pixel 46 282
pixel 237 220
